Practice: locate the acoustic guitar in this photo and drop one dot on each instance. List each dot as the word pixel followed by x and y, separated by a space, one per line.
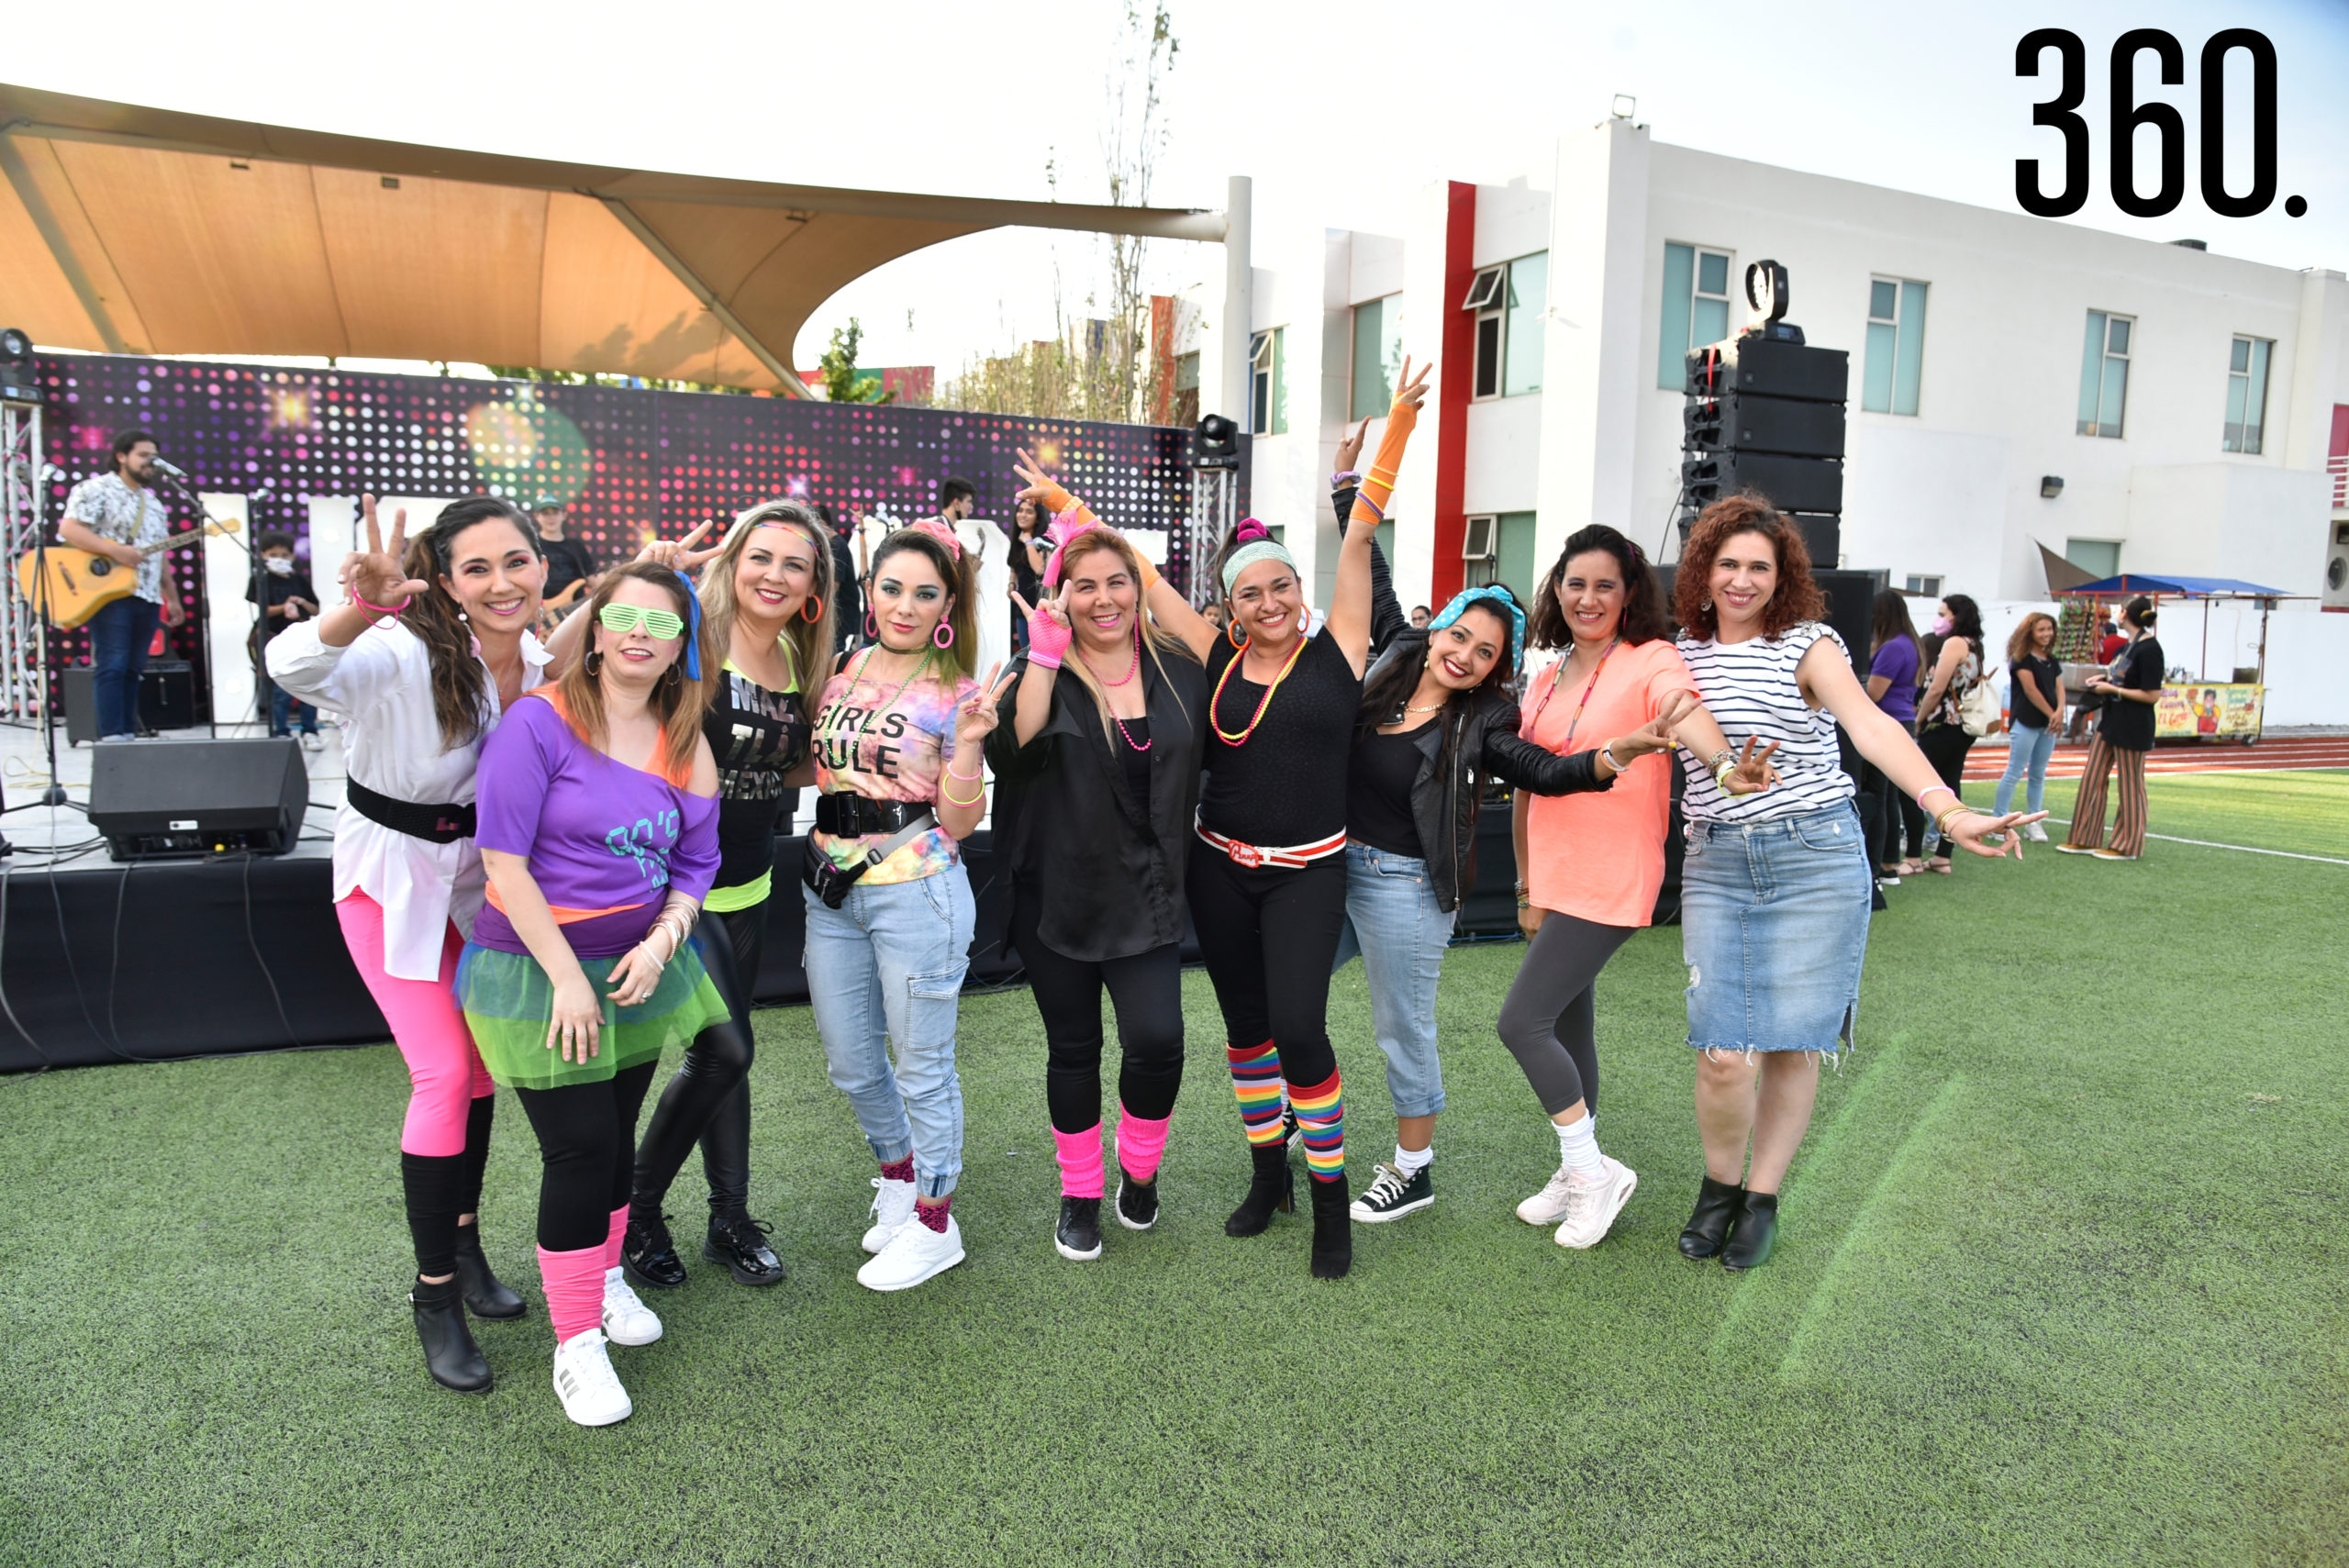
pixel 81 582
pixel 553 611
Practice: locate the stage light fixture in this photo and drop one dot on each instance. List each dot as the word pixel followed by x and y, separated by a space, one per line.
pixel 1625 105
pixel 2050 486
pixel 1215 443
pixel 15 347
pixel 1767 292
pixel 16 366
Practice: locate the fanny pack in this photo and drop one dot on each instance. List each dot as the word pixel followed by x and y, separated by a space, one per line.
pixel 844 813
pixel 832 881
pixel 433 824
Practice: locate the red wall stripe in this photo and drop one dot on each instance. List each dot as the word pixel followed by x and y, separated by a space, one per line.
pixel 1459 372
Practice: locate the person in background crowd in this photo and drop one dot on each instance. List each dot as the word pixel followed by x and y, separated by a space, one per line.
pixel 1895 823
pixel 1029 521
pixel 2035 713
pixel 847 611
pixel 1940 735
pixel 2123 735
pixel 2111 640
pixel 287 596
pixel 957 499
pixel 1420 614
pixel 1775 884
pixel 432 649
pixel 117 515
pixel 569 563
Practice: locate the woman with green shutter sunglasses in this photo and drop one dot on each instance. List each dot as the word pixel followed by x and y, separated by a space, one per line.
pixel 660 625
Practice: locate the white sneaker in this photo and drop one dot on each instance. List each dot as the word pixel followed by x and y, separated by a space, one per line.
pixel 584 1380
pixel 892 1205
pixel 1549 1205
pixel 1591 1207
pixel 311 743
pixel 914 1254
pixel 2036 832
pixel 626 1318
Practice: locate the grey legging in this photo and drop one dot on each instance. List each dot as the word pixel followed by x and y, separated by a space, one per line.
pixel 1549 1023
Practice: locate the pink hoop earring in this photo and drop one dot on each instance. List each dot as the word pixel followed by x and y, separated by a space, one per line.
pixel 872 627
pixel 944 636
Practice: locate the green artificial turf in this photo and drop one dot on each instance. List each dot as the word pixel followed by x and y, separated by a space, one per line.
pixel 2060 1282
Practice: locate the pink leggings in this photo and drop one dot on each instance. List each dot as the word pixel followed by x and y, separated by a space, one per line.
pixel 443 1069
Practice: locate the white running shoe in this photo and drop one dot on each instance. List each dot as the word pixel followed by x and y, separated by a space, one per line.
pixel 1591 1207
pixel 914 1254
pixel 2036 832
pixel 627 1320
pixel 892 1205
pixel 584 1380
pixel 1549 1205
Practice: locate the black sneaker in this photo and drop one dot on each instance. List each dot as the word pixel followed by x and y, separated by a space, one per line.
pixel 1290 1130
pixel 648 1256
pixel 1137 1202
pixel 1078 1236
pixel 1392 1195
pixel 741 1243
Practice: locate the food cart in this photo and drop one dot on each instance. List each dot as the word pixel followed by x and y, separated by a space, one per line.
pixel 2210 707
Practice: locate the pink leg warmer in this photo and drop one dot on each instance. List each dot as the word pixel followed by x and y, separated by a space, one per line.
pixel 445 1072
pixel 1141 1144
pixel 1080 1157
pixel 574 1285
pixel 612 1242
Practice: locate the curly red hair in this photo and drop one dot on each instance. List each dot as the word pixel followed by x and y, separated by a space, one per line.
pixel 1797 598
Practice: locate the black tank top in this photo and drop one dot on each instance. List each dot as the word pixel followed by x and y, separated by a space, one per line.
pixel 1286 784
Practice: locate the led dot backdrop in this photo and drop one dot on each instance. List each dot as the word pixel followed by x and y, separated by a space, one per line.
pixel 627 461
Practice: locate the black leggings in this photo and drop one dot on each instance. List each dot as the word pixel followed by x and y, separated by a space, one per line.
pixel 586 1131
pixel 1893 821
pixel 1147 991
pixel 1550 1021
pixel 1946 746
pixel 709 1098
pixel 1269 934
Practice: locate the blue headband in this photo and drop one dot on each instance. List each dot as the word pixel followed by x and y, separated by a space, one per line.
pixel 693 634
pixel 1498 597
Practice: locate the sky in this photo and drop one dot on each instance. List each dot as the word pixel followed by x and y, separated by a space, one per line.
pixel 1338 113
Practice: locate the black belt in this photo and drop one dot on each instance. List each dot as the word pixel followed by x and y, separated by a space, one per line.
pixel 435 824
pixel 846 815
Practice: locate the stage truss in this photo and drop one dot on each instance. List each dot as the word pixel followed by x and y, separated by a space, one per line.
pixel 1215 499
pixel 23 680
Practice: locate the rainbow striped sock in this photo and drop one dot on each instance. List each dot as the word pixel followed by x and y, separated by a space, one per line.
pixel 1256 1079
pixel 1321 1118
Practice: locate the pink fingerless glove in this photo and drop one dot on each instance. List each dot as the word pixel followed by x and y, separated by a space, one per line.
pixel 1048 640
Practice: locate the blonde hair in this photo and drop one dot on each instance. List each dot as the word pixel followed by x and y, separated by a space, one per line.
pixel 678 703
pixel 810 642
pixel 1155 637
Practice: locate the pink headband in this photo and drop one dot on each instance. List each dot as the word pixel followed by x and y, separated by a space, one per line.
pixel 942 533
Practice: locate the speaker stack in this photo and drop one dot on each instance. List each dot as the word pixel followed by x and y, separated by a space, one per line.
pixel 1764 413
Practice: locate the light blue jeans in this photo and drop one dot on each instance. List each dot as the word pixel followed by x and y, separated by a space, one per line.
pixel 887 966
pixel 1774 923
pixel 1394 921
pixel 2026 747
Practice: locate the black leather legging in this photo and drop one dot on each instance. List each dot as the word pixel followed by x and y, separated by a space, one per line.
pixel 708 1101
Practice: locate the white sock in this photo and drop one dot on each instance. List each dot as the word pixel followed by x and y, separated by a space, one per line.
pixel 1578 1150
pixel 1410 1160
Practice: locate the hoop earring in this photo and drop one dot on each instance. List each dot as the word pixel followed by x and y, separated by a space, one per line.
pixel 944 636
pixel 872 627
pixel 675 675
pixel 1233 635
pixel 814 602
pixel 593 664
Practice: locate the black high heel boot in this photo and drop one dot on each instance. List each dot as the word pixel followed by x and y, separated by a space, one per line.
pixel 1709 1226
pixel 1757 1227
pixel 483 1291
pixel 1334 1227
pixel 1273 1187
pixel 449 1353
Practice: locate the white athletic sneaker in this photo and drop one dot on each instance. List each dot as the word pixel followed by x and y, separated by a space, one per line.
pixel 1549 1205
pixel 1591 1207
pixel 914 1254
pixel 627 1320
pixel 892 1205
pixel 584 1380
pixel 2036 832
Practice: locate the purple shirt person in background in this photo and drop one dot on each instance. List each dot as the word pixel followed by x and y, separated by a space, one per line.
pixel 1897 662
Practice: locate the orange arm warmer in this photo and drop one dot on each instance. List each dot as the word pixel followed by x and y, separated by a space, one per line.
pixel 1379 480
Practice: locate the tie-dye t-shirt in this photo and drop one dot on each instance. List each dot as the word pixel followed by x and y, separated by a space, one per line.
pixel 887 745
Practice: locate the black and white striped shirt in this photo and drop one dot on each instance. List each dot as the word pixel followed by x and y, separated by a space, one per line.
pixel 1749 688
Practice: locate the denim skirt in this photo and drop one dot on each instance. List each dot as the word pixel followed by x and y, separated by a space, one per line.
pixel 1774 923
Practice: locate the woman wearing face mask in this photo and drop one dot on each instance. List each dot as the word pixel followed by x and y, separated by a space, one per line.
pixel 430 651
pixel 1267 877
pixel 2123 736
pixel 897 740
pixel 1940 733
pixel 1774 887
pixel 2036 708
pixel 766 593
pixel 1097 766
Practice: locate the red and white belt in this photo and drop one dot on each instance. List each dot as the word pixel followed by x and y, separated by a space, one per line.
pixel 1272 855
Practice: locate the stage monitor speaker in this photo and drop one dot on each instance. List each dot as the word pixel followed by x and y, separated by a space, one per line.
pixel 166 698
pixel 1747 422
pixel 1790 483
pixel 1769 366
pixel 166 799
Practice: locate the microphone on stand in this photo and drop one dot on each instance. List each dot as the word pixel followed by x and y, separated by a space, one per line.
pixel 174 470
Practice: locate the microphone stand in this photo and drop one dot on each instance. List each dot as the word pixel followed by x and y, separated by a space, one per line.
pixel 255 591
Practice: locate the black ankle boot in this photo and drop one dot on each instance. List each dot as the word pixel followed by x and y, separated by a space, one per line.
pixel 1716 1206
pixel 483 1291
pixel 449 1353
pixel 1757 1227
pixel 1273 1187
pixel 1334 1227
pixel 648 1254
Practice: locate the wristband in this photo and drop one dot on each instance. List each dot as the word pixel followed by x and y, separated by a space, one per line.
pixel 1930 789
pixel 965 778
pixel 948 796
pixel 1607 752
pixel 376 609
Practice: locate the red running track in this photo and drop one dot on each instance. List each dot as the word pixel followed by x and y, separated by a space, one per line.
pixel 1987 761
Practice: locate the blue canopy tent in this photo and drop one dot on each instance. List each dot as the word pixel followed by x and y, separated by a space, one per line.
pixel 2129 585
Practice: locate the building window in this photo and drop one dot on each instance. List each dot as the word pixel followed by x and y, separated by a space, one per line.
pixel 1896 345
pixel 1267 384
pixel 1498 547
pixel 1696 310
pixel 2246 394
pixel 2099 558
pixel 1511 303
pixel 1378 355
pixel 2104 374
pixel 1923 587
pixel 1186 388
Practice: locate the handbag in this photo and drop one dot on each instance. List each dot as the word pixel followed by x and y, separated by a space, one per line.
pixel 1977 707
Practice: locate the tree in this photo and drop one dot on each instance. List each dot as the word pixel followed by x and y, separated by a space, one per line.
pixel 842 383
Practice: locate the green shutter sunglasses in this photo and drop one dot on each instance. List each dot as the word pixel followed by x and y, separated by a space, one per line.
pixel 660 624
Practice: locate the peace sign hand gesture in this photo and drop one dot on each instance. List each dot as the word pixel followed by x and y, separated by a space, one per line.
pixel 374 575
pixel 1040 487
pixel 976 718
pixel 1753 774
pixel 1410 390
pixel 1049 628
pixel 679 554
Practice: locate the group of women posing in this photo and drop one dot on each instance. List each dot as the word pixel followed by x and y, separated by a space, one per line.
pixel 553 864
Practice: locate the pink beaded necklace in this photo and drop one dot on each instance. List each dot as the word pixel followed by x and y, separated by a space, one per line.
pixel 1132 670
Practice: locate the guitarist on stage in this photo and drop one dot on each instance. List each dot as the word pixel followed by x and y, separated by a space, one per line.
pixel 112 514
